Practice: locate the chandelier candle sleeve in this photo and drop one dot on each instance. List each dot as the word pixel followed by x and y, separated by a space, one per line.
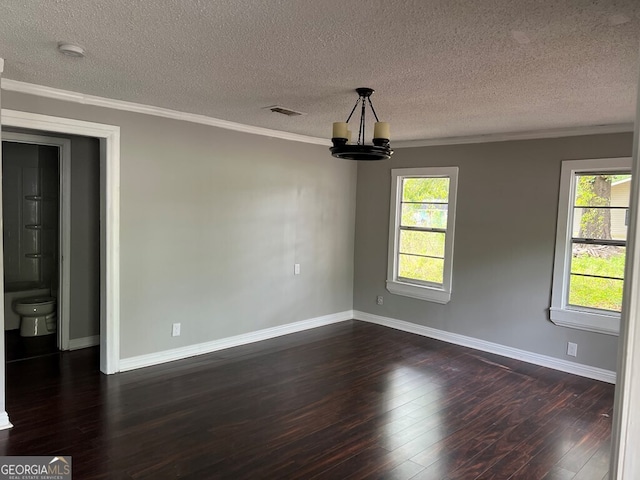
pixel 340 130
pixel 381 130
pixel 348 136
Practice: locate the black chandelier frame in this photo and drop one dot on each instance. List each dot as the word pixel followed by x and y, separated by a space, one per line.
pixel 380 150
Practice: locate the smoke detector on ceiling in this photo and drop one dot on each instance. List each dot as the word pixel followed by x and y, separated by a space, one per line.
pixel 283 110
pixel 71 50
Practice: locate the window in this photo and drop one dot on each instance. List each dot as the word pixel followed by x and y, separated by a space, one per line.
pixel 423 206
pixel 591 242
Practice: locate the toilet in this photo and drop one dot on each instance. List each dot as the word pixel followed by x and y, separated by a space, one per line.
pixel 37 315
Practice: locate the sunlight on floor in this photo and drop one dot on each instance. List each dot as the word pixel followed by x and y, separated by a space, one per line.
pixel 412 404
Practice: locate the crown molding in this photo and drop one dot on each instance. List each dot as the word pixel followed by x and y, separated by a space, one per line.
pixel 511 136
pixel 75 97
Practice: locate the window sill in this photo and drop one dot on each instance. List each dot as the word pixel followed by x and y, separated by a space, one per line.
pixel 609 324
pixel 417 291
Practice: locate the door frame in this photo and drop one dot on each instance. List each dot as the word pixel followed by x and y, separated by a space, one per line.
pixel 625 431
pixel 109 136
pixel 64 223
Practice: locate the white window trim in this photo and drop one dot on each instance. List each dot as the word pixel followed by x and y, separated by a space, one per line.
pixel 561 313
pixel 438 294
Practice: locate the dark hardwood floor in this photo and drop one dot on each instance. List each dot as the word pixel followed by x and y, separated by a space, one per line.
pixel 351 400
pixel 18 348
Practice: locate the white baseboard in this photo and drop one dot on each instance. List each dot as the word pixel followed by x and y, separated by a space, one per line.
pixel 78 343
pixel 530 357
pixel 140 361
pixel 4 421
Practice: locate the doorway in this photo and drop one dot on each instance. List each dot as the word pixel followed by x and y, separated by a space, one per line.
pixel 51 209
pixel 109 139
pixel 35 200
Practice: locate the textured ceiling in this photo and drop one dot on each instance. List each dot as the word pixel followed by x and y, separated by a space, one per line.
pixel 441 68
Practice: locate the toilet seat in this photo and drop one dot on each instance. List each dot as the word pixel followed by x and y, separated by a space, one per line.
pixel 37 300
pixel 34 306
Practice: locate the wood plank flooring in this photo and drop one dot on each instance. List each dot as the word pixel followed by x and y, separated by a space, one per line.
pixel 351 400
pixel 18 348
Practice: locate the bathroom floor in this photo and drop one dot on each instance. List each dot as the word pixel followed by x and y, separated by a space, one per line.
pixel 21 348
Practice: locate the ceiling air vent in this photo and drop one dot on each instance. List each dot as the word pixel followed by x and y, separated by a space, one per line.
pixel 284 111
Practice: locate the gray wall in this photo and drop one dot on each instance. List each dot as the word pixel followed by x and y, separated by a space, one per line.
pixel 85 238
pixel 212 222
pixel 504 243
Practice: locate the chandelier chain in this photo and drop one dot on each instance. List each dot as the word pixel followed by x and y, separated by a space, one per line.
pixel 353 109
pixel 373 109
pixel 362 125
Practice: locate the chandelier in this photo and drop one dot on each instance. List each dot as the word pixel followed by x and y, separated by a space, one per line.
pixel 342 148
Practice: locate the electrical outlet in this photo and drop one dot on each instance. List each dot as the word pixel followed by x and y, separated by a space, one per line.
pixel 572 349
pixel 296 269
pixel 379 300
pixel 175 330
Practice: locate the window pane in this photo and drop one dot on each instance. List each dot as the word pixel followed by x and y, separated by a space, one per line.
pixel 600 223
pixel 599 260
pixel 421 268
pixel 425 190
pixel 422 243
pixel 620 190
pixel 594 292
pixel 426 215
pixel 593 190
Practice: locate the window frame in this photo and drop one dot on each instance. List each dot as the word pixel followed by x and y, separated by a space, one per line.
pixel 418 288
pixel 560 312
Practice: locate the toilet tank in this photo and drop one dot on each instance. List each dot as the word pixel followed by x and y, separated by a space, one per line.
pixel 15 292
